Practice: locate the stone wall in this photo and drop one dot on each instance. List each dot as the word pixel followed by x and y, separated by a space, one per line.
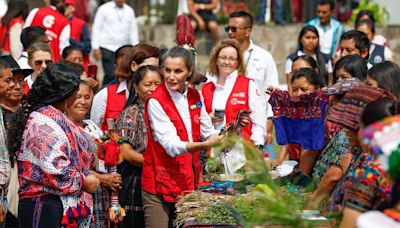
pixel 280 41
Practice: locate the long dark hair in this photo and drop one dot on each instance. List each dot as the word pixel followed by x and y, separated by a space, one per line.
pixel 320 57
pixel 53 86
pixel 16 8
pixel 387 74
pixel 352 64
pixel 137 78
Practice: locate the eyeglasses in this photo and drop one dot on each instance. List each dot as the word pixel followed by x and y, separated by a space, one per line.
pixel 40 62
pixel 233 28
pixel 224 58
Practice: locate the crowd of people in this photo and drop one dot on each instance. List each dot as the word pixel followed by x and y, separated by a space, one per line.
pixel 75 152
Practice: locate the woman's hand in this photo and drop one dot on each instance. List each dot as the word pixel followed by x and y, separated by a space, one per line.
pixel 245 119
pixel 93 83
pixel 112 181
pixel 91 183
pixel 215 140
pixel 271 90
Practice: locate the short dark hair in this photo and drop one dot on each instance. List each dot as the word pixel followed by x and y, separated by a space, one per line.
pixel 68 50
pixel 310 60
pixel 311 76
pixel 331 3
pixel 387 74
pixel 137 78
pixel 355 65
pixel 367 22
pixel 31 34
pixel 3 65
pixel 247 16
pixel 379 110
pixel 362 13
pixel 360 40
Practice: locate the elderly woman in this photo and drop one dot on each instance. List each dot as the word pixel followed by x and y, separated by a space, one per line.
pixel 229 91
pixel 55 156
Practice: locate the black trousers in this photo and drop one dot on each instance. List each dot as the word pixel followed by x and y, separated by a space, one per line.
pixel 44 211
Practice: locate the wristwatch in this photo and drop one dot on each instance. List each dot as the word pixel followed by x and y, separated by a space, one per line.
pixel 202 7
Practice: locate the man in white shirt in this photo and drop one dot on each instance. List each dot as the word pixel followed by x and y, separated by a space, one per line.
pixel 259 63
pixel 29 36
pixel 114 26
pixel 329 29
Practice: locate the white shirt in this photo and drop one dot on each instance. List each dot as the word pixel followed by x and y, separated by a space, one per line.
pixel 65 32
pixel 100 103
pixel 261 67
pixel 114 26
pixel 29 81
pixel 289 63
pixel 164 130
pixel 23 61
pixel 256 104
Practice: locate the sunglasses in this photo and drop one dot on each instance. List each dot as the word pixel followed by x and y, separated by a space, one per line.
pixel 233 28
pixel 40 62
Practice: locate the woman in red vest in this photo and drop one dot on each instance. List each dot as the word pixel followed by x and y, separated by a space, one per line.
pixel 176 121
pixel 11 28
pixel 110 101
pixel 229 91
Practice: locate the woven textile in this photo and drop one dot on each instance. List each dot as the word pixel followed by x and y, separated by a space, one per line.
pixel 299 120
pixel 384 136
pixel 348 111
pixel 54 158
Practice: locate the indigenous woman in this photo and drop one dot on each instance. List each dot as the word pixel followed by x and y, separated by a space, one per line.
pixel 76 113
pixel 176 121
pixel 388 156
pixel 368 186
pixel 349 191
pixel 110 101
pixel 55 156
pixel 131 127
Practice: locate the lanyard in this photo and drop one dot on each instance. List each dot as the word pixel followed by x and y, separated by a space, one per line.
pixel 248 59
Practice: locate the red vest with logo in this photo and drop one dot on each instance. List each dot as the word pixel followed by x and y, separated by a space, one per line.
pixel 3 30
pixel 171 176
pixel 237 100
pixel 54 22
pixel 76 33
pixel 115 104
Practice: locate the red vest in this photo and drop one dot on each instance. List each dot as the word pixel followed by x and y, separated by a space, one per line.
pixel 3 30
pixel 115 104
pixel 26 88
pixel 54 22
pixel 171 176
pixel 76 33
pixel 237 100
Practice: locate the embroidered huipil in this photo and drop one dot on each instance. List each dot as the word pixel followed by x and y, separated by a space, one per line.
pixel 55 157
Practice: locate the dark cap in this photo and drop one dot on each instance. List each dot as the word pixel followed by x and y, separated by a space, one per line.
pixel 14 65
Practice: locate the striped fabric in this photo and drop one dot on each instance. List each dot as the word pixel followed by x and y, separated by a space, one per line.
pixel 348 111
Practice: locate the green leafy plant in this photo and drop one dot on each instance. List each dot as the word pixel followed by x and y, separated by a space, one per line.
pixel 380 13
